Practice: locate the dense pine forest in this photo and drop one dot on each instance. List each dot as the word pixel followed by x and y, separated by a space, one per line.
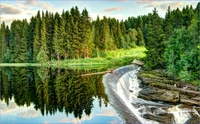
pixel 172 42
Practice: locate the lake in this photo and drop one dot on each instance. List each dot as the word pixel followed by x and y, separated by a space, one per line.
pixel 52 95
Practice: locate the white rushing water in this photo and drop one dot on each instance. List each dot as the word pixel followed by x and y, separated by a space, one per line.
pixel 129 94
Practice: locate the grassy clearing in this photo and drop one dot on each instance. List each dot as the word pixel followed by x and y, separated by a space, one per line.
pixel 19 64
pixel 111 59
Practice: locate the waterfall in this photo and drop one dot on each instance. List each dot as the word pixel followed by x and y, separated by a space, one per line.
pixel 122 87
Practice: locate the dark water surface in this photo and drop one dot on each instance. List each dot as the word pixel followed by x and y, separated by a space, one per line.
pixel 47 95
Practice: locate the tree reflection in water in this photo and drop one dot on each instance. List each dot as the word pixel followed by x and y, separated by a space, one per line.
pixel 52 90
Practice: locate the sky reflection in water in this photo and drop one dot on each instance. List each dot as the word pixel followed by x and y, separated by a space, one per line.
pixel 21 89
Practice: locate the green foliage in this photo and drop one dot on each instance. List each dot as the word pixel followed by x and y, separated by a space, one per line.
pixel 182 53
pixel 154 43
pixel 42 56
pixel 140 38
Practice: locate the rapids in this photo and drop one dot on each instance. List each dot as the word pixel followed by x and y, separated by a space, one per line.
pixel 122 87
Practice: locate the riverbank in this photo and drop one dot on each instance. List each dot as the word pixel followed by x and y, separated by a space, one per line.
pixel 113 58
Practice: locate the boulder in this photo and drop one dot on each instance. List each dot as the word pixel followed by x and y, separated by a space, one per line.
pixel 137 62
pixel 156 94
pixel 163 118
pixel 195 119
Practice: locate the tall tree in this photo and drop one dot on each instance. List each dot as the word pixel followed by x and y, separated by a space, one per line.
pixel 86 34
pixel 140 38
pixel 168 27
pixel 3 43
pixel 37 37
pixel 154 43
pixel 43 53
pixel 23 53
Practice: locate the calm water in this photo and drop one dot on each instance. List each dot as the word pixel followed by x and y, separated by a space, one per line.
pixel 46 95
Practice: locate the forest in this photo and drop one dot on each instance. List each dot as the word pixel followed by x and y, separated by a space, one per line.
pixel 172 42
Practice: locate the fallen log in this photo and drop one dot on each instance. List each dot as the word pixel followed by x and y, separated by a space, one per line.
pixel 103 72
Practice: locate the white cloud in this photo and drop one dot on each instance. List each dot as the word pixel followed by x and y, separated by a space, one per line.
pixel 31 2
pixel 107 113
pixel 113 9
pixel 163 5
pixel 8 9
pixel 23 10
pixel 76 120
pixel 13 109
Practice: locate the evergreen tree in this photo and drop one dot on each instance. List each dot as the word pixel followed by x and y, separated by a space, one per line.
pixel 168 28
pixel 133 37
pixel 86 34
pixel 140 38
pixel 37 37
pixel 23 52
pixel 154 43
pixel 30 38
pixel 182 53
pixel 3 43
pixel 43 53
pixel 57 41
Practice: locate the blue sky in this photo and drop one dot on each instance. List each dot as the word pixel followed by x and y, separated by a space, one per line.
pixel 120 9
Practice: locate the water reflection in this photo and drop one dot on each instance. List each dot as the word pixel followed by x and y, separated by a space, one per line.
pixel 52 90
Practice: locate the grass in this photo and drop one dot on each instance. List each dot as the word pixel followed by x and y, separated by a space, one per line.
pixel 111 59
pixel 19 64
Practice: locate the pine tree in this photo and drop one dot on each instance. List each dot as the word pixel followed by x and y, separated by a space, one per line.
pixel 133 37
pixel 86 34
pixel 23 52
pixel 154 43
pixel 43 53
pixel 37 37
pixel 3 43
pixel 30 38
pixel 140 38
pixel 57 40
pixel 168 28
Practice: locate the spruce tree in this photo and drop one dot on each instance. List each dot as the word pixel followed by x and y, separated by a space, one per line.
pixel 3 43
pixel 168 27
pixel 154 43
pixel 42 56
pixel 140 38
pixel 37 37
pixel 23 52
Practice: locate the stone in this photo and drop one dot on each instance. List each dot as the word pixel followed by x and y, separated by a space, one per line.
pixel 195 119
pixel 156 94
pixel 137 62
pixel 163 118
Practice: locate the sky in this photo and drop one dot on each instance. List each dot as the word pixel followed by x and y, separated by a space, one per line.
pixel 120 9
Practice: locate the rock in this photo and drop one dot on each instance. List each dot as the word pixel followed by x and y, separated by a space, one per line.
pixel 137 62
pixel 190 102
pixel 197 109
pixel 157 87
pixel 163 118
pixel 195 119
pixel 155 94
